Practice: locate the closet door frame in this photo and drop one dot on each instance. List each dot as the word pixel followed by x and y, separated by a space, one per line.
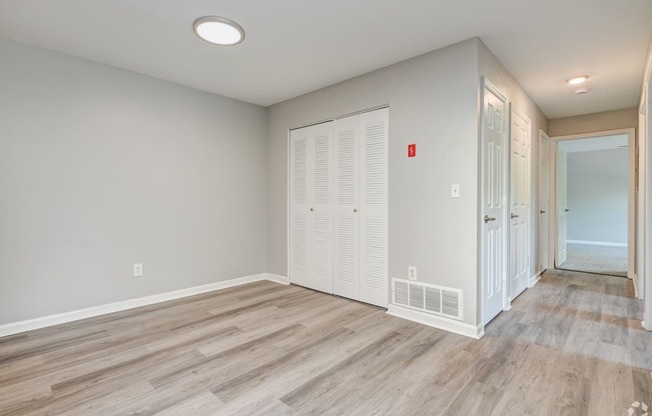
pixel 386 292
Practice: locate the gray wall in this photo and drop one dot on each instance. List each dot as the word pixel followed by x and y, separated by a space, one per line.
pixel 597 195
pixel 432 100
pixel 590 123
pixel 102 168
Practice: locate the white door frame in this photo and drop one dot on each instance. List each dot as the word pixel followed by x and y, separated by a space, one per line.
pixel 631 198
pixel 486 84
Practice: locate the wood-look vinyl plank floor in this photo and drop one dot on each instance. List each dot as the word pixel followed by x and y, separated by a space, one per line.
pixel 572 345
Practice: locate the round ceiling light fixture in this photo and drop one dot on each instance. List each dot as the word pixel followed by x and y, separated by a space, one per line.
pixel 218 30
pixel 577 79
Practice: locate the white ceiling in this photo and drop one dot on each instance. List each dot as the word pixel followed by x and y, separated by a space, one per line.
pixel 591 144
pixel 296 46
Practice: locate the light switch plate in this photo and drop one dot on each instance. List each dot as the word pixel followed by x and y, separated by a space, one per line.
pixel 455 190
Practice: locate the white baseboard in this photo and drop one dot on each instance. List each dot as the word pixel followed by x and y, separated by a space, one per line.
pixel 535 279
pixel 277 278
pixel 635 283
pixel 435 321
pixel 61 318
pixel 597 243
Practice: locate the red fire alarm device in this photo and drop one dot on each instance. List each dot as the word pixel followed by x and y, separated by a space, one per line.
pixel 412 150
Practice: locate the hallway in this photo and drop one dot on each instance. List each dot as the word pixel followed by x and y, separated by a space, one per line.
pixel 583 346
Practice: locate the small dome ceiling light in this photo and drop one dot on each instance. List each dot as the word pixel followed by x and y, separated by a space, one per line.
pixel 218 30
pixel 577 79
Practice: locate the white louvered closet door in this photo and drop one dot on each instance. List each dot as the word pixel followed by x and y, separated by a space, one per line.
pixel 311 207
pixel 320 213
pixel 346 225
pixel 373 207
pixel 360 217
pixel 299 178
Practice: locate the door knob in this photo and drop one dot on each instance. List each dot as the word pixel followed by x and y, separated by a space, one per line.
pixel 512 216
pixel 355 210
pixel 488 218
pixel 310 209
pixel 566 210
pixel 542 212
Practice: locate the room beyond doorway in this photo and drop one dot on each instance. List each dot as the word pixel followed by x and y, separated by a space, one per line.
pixel 593 204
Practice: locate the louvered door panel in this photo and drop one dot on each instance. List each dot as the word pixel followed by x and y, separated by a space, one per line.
pixel 346 281
pixel 321 213
pixel 311 181
pixel 373 207
pixel 299 263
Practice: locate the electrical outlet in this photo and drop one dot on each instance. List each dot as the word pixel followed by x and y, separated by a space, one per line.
pixel 412 273
pixel 138 269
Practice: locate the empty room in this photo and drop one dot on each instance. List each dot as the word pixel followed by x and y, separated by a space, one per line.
pixel 364 207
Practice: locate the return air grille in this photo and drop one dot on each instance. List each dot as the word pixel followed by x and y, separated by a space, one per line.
pixel 437 300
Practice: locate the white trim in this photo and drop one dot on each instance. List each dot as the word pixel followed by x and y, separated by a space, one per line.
pixel 597 243
pixel 635 282
pixel 277 278
pixel 535 279
pixel 450 325
pixel 61 318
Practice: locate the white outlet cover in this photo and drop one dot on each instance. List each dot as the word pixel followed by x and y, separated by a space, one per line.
pixel 412 273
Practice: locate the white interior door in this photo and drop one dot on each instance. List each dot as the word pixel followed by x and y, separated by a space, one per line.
pixel 373 207
pixel 562 206
pixel 519 242
pixel 494 201
pixel 311 207
pixel 544 196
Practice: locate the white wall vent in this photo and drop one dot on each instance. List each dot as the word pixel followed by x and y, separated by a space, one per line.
pixel 437 300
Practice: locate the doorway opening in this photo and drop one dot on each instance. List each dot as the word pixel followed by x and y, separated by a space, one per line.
pixel 594 205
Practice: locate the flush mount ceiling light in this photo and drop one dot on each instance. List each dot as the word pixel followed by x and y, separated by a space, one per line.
pixel 218 30
pixel 577 79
